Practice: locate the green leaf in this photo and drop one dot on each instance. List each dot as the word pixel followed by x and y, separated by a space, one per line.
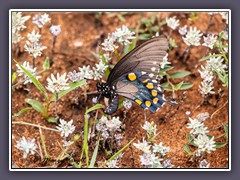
pixel 129 47
pixel 190 140
pixel 226 130
pixel 179 74
pixel 34 80
pixel 178 86
pixel 154 28
pixel 166 68
pixel 14 76
pixel 21 112
pixel 186 86
pixel 220 144
pixel 120 103
pixel 72 86
pixel 166 86
pixel 145 36
pixel 97 106
pixel 187 150
pixel 94 156
pixel 52 120
pixel 208 57
pixel 46 64
pixel 36 105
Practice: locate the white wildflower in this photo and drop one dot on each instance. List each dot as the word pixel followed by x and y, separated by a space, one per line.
pixel 167 163
pixel 55 30
pixel 41 20
pixel 188 113
pixel 143 146
pixel 27 66
pixel 204 164
pixel 18 21
pixel 194 123
pixel 206 73
pixel 44 19
pixel 205 143
pixel 217 64
pixel 85 72
pixel 112 164
pixel 124 35
pixel 65 127
pixel 113 124
pixel 206 88
pixel 182 30
pixel 16 37
pixel 55 85
pixel 200 130
pixel 150 160
pixel 34 49
pixel 172 22
pixel 27 146
pixel 17 25
pixel 33 37
pixel 73 76
pixel 193 37
pixel 210 40
pixel 99 70
pixel 127 104
pixel 108 44
pixel 159 148
pixel 165 61
pixel 151 128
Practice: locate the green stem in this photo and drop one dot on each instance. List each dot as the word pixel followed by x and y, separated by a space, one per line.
pixel 34 125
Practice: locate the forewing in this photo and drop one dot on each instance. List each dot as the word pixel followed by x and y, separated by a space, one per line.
pixel 146 57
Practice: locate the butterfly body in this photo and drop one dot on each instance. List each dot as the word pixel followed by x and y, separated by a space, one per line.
pixel 135 77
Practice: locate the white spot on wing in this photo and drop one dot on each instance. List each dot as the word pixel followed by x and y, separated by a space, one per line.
pixel 143 72
pixel 151 75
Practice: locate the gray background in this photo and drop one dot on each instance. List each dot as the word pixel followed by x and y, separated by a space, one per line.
pixel 5 5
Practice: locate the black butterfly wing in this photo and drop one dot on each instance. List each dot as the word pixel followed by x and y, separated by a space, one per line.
pixel 134 76
pixel 144 58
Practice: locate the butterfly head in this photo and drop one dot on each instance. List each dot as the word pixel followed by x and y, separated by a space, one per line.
pixel 104 89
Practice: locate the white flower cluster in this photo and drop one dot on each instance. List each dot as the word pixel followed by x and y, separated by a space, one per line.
pixel 114 163
pixel 17 25
pixel 210 40
pixel 153 154
pixel 150 128
pixel 55 85
pixel 41 20
pixel 127 104
pixel 27 146
pixel 110 129
pixel 86 72
pixel 27 66
pixel 199 134
pixel 122 35
pixel 193 37
pixel 32 46
pixel 172 22
pixel 65 127
pixel 183 30
pixel 214 64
